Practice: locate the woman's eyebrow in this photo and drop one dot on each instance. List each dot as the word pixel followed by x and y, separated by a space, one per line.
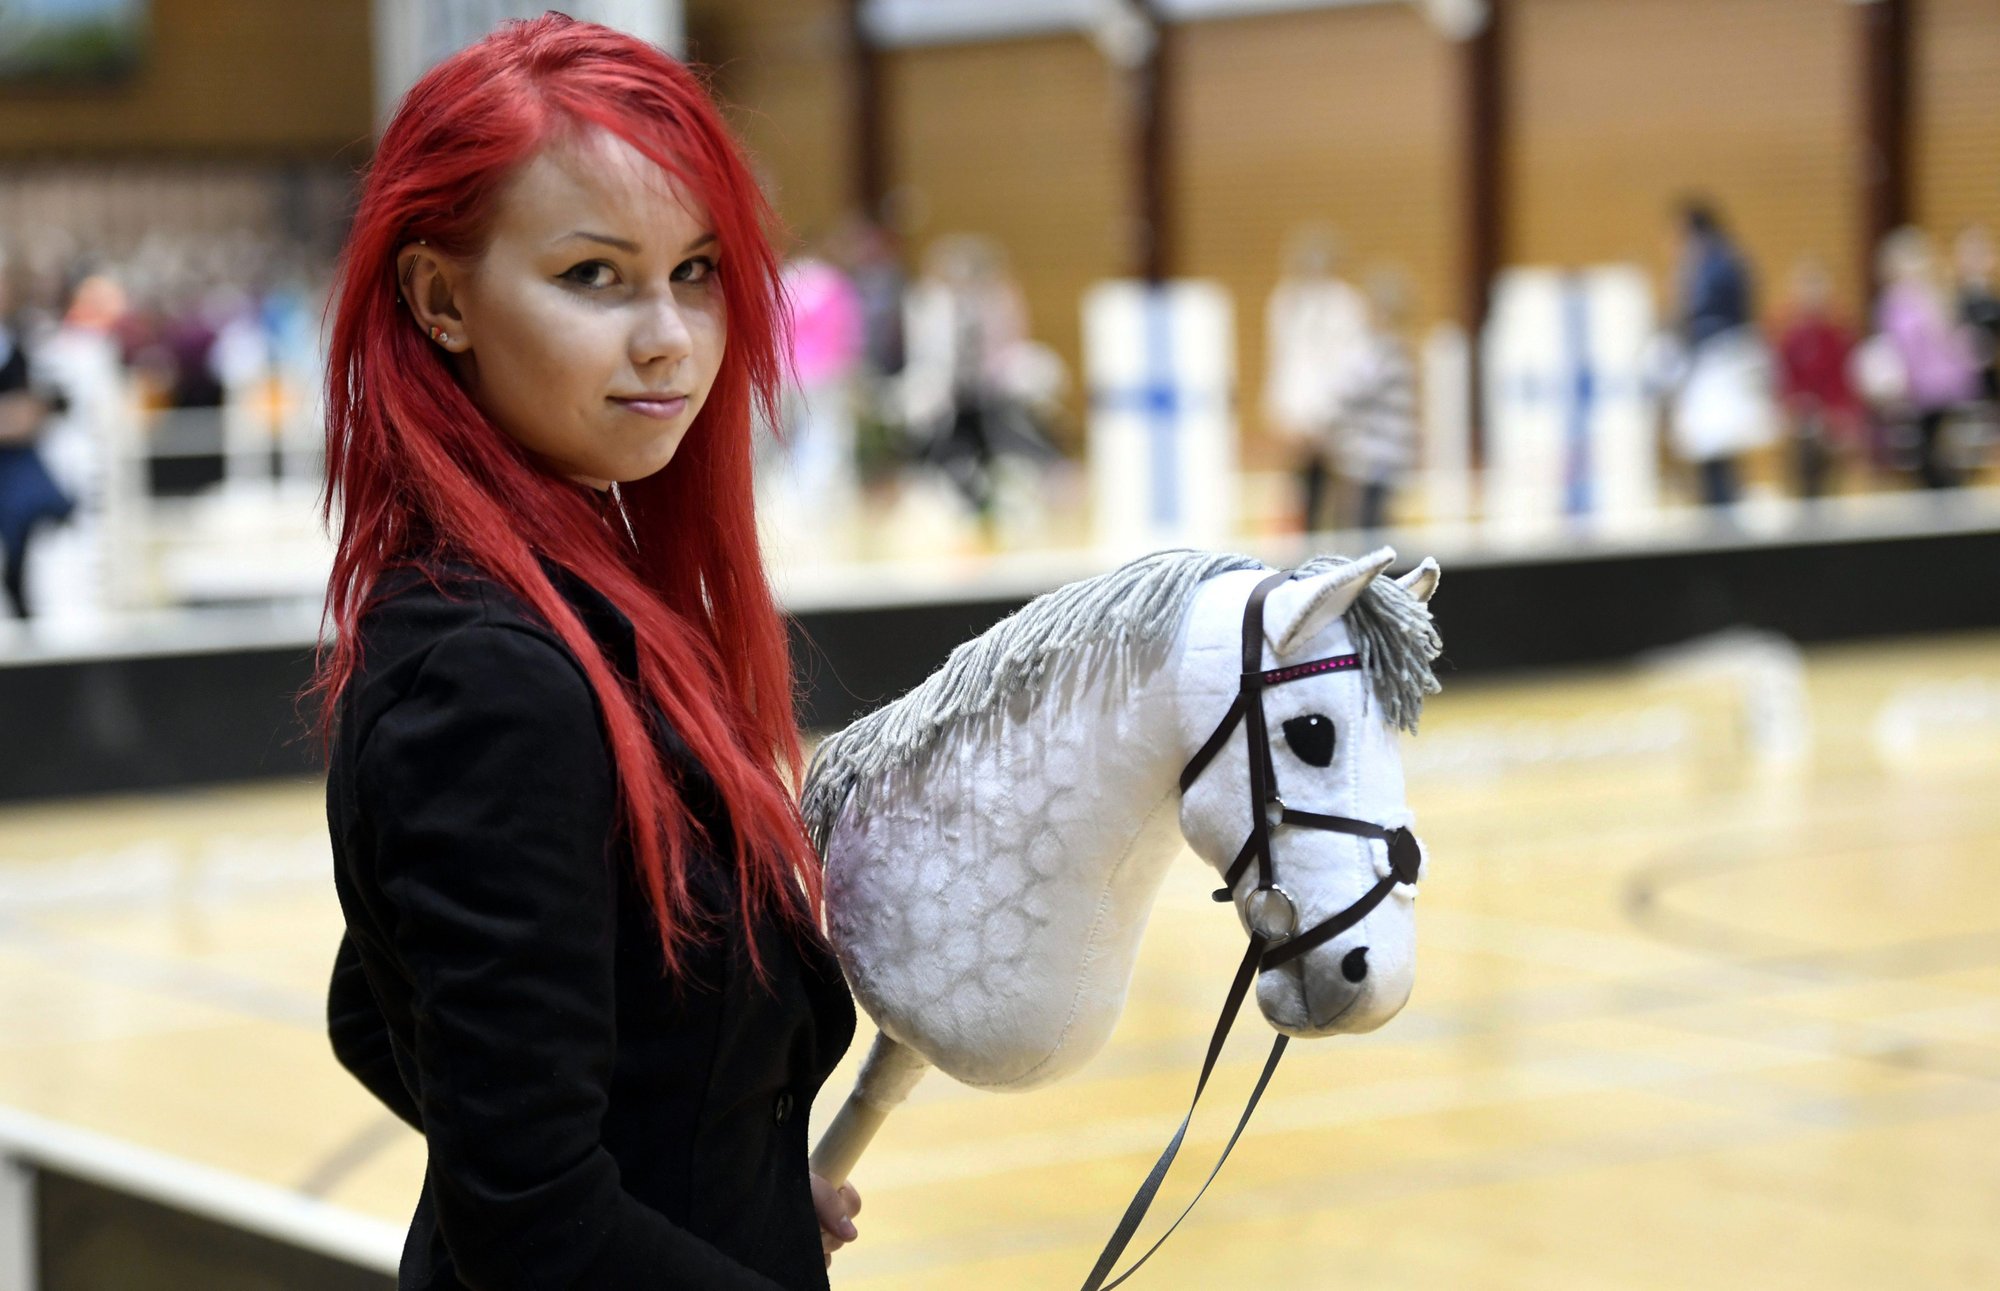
pixel 629 247
pixel 632 248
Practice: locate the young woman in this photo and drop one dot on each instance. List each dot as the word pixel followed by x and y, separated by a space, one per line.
pixel 583 949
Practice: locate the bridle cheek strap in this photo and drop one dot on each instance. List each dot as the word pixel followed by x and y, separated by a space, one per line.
pixel 1405 857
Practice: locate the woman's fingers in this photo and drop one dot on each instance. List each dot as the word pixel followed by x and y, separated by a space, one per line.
pixel 833 1207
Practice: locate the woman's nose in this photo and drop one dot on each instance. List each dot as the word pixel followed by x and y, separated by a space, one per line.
pixel 662 336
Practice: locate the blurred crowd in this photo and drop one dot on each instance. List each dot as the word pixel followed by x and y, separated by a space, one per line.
pixel 92 339
pixel 926 417
pixel 920 405
pixel 1909 390
pixel 921 401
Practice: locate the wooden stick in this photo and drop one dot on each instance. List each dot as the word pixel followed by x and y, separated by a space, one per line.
pixel 887 1077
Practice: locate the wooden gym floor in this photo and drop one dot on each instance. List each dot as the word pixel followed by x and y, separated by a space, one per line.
pixel 1708 993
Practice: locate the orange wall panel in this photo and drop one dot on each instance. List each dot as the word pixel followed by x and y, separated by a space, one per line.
pixel 1955 114
pixel 781 68
pixel 1024 141
pixel 1619 107
pixel 233 77
pixel 1346 116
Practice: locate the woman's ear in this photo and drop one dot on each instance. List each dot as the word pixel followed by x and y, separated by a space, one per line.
pixel 428 282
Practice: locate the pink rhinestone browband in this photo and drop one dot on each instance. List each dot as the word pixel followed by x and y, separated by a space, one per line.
pixel 1332 663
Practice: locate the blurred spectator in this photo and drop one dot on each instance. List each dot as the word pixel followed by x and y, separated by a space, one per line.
pixel 1376 412
pixel 1315 328
pixel 29 495
pixel 1940 368
pixel 1723 406
pixel 1814 348
pixel 1979 304
pixel 972 379
pixel 867 254
pixel 806 475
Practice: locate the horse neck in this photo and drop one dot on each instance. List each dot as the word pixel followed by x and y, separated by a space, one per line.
pixel 992 902
pixel 1092 766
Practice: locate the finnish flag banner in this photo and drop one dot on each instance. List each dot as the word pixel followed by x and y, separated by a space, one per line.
pixel 1570 424
pixel 1160 366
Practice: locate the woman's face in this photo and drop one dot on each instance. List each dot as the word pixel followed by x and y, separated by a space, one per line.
pixel 591 328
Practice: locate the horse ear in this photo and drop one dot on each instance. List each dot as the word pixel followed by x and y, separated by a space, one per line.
pixel 1422 581
pixel 1295 611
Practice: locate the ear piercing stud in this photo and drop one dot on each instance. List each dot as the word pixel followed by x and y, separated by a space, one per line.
pixel 439 335
pixel 408 269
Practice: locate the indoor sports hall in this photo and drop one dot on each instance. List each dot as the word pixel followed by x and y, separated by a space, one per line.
pixel 1659 345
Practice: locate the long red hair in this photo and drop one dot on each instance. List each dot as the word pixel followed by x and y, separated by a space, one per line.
pixel 416 472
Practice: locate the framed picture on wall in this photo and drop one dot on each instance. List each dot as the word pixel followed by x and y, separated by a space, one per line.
pixel 70 42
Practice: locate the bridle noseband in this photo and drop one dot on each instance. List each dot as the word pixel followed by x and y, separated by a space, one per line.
pixel 1271 912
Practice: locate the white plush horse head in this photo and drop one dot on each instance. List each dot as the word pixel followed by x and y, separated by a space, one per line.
pixel 1332 734
pixel 994 839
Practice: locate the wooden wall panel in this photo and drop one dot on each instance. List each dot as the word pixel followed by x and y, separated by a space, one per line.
pixel 780 66
pixel 1955 88
pixel 231 77
pixel 1344 116
pixel 1024 141
pixel 1618 107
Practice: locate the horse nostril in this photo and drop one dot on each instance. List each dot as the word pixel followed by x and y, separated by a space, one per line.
pixel 1355 966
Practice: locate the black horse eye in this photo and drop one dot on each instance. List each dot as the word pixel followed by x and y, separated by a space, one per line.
pixel 1311 737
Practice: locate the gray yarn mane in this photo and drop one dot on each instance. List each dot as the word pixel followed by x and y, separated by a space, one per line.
pixel 1137 604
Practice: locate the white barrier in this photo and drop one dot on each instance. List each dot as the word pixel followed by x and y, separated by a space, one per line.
pixel 29 1143
pixel 1444 466
pixel 1160 365
pixel 1570 424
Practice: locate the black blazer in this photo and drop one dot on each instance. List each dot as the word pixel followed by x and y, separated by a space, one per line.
pixel 500 984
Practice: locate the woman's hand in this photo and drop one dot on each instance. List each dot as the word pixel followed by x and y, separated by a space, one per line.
pixel 835 1206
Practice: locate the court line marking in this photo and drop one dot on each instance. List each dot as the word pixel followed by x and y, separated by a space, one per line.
pixel 348 1157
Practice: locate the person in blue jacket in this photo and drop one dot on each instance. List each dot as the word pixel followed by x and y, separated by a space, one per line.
pixel 29 495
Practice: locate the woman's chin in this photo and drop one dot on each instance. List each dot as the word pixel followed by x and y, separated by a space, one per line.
pixel 633 467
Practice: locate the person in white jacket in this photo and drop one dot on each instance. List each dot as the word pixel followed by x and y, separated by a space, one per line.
pixel 1314 329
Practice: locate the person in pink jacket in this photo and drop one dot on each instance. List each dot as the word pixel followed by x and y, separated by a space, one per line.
pixel 1940 367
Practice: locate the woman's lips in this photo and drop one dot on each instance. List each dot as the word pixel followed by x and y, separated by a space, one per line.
pixel 662 409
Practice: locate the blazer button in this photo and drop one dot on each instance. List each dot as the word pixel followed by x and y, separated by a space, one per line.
pixel 783 1107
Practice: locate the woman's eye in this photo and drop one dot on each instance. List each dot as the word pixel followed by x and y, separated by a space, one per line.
pixel 587 274
pixel 699 269
pixel 1311 737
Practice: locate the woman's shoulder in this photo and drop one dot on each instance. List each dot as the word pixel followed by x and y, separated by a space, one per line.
pixel 416 605
pixel 453 624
